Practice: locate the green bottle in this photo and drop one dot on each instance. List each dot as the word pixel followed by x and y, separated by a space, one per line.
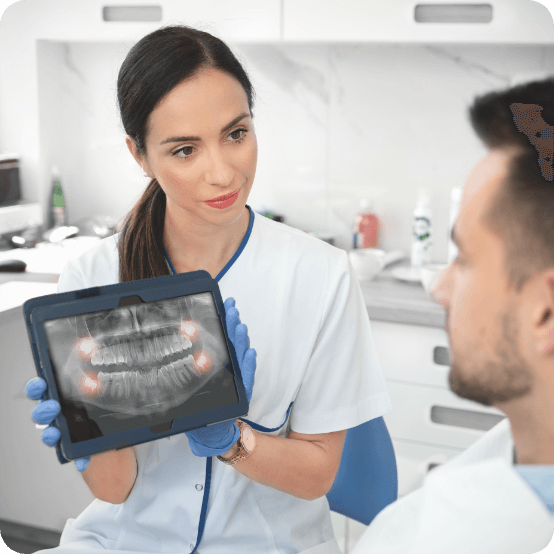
pixel 59 211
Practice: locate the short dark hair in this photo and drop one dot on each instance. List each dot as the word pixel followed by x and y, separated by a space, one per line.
pixel 523 212
pixel 152 68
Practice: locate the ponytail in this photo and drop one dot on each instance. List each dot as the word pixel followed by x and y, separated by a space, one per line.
pixel 140 244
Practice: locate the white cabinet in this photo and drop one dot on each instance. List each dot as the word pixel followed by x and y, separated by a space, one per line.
pixel 36 489
pixel 414 461
pixel 509 21
pixel 408 352
pixel 67 20
pixel 429 424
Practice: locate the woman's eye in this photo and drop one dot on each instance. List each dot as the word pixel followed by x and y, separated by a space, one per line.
pixel 186 151
pixel 238 135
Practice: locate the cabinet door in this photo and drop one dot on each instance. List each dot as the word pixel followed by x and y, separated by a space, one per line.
pixel 97 20
pixel 415 461
pixel 237 21
pixel 494 21
pixel 412 353
pixel 36 489
pixel 435 416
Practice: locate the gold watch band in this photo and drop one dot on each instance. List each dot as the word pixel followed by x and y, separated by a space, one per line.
pixel 242 453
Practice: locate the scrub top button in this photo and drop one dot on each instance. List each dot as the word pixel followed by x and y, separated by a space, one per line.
pixel 191 546
pixel 199 487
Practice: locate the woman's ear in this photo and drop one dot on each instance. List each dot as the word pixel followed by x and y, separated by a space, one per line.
pixel 132 146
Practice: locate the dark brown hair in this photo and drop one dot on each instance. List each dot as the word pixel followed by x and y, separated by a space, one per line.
pixel 523 212
pixel 152 68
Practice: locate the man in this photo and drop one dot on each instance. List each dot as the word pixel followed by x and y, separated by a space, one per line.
pixel 498 295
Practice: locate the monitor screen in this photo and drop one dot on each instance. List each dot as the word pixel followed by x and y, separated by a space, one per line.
pixel 142 364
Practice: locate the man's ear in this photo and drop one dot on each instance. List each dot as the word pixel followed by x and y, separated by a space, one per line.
pixel 543 317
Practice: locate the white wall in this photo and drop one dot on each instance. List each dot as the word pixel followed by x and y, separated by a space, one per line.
pixel 335 123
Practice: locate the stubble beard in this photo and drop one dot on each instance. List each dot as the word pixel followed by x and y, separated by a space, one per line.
pixel 505 378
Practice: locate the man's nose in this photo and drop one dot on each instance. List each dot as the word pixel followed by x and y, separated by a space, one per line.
pixel 439 288
pixel 218 169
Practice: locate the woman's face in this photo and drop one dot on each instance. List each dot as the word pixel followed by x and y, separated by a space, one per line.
pixel 201 148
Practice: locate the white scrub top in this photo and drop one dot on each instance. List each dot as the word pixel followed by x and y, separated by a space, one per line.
pixel 476 503
pixel 307 320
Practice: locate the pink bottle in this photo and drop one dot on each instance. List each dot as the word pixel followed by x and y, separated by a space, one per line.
pixel 366 227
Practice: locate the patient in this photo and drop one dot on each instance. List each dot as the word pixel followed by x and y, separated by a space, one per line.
pixel 498 295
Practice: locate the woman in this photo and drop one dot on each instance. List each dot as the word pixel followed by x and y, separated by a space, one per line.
pixel 186 106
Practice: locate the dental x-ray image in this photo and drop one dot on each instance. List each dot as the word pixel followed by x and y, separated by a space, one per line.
pixel 140 365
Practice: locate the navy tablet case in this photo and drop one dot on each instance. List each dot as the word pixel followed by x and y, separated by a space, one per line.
pixel 134 362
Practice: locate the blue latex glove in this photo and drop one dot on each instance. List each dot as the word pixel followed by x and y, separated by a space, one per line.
pixel 45 413
pixel 217 439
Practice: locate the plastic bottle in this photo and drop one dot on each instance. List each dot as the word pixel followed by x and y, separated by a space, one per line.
pixel 422 231
pixel 366 226
pixel 58 211
pixel 455 199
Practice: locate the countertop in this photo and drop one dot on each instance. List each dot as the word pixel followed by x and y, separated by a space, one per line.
pixel 386 298
pixel 389 299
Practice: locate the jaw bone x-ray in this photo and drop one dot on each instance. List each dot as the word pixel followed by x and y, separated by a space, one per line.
pixel 140 361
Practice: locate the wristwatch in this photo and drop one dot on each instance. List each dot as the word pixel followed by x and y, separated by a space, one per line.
pixel 246 443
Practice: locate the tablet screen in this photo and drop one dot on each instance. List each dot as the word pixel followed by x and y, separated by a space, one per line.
pixel 137 365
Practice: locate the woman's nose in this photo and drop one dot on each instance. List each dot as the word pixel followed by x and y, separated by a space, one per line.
pixel 218 169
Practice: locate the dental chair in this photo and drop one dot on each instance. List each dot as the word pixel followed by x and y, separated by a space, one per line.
pixel 367 480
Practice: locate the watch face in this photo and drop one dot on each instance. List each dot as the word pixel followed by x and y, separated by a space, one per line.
pixel 248 439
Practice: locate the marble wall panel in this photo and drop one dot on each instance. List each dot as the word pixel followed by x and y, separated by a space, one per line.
pixel 335 124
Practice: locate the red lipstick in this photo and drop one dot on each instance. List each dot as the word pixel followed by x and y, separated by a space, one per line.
pixel 222 202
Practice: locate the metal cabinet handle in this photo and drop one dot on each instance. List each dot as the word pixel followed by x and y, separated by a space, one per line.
pixel 468 419
pixel 441 355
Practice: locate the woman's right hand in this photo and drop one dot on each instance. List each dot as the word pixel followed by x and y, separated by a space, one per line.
pixel 45 413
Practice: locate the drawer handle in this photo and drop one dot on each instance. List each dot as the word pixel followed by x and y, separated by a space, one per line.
pixel 468 419
pixel 441 355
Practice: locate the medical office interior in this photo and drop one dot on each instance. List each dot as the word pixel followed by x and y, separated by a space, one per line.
pixel 362 100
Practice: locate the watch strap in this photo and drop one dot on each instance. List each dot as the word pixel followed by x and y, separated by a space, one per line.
pixel 241 453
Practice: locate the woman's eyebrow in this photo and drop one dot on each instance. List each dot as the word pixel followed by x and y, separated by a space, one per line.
pixel 193 139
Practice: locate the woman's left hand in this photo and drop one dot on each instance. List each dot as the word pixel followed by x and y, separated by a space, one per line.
pixel 217 439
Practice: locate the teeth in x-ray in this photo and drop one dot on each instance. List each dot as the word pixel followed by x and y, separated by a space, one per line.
pixel 145 352
pixel 117 387
pixel 132 354
pixel 125 383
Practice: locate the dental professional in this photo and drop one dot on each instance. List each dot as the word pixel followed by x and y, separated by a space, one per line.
pixel 496 497
pixel 186 106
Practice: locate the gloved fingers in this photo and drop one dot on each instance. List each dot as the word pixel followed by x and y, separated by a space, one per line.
pixel 242 342
pixel 248 371
pixel 205 445
pixel 232 320
pixel 82 463
pixel 35 388
pixel 229 303
pixel 45 412
pixel 50 436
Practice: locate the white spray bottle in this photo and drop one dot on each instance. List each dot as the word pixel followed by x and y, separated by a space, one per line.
pixel 422 231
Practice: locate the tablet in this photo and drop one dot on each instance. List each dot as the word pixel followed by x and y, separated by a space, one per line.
pixel 137 361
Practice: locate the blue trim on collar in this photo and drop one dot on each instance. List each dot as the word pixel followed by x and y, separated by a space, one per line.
pixel 259 427
pixel 240 248
pixel 204 509
pixel 235 255
pixel 208 478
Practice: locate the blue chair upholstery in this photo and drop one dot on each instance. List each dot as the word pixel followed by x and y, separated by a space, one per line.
pixel 367 479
